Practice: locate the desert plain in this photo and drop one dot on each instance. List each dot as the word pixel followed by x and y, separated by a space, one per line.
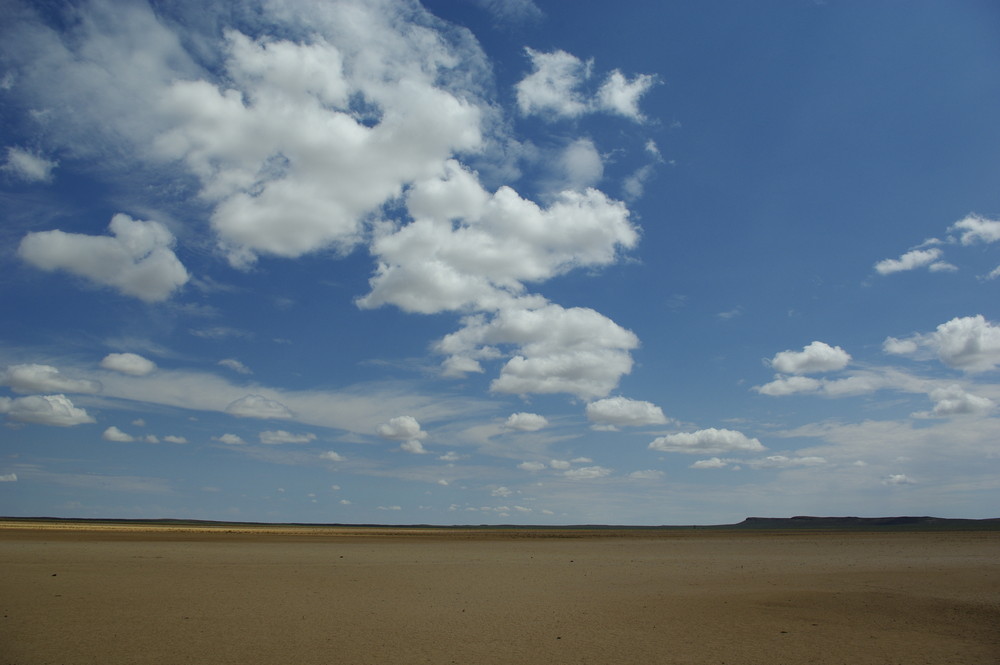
pixel 116 594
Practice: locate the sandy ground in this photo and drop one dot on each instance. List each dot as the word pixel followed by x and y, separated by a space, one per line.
pixel 126 595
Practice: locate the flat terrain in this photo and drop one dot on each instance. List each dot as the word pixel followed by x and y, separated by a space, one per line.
pixel 115 594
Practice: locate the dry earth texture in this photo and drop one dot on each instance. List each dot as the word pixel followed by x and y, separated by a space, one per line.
pixel 115 594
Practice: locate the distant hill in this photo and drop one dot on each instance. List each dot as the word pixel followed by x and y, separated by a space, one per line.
pixel 877 523
pixel 803 522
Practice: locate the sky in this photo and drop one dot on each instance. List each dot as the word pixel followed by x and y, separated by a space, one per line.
pixel 485 262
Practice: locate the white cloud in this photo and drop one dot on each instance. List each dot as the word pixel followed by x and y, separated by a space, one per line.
pixel 137 260
pixel 560 464
pixel 281 436
pixel 531 466
pixel 526 422
pixel 954 401
pixel 620 95
pixel 814 358
pixel 331 456
pixel 969 343
pixel 413 446
pixel 916 258
pixel 114 434
pixel 258 406
pixel 8 478
pixel 635 184
pixel 576 351
pixel 900 347
pixel 858 382
pixel 587 472
pixel 230 439
pixel 501 491
pixel 898 479
pixel 57 410
pixel 401 428
pixel 170 438
pixel 709 441
pixel 317 134
pixel 33 378
pixel 784 462
pixel 790 385
pixel 625 412
pixel 128 363
pixel 553 88
pixel 647 474
pixel 235 365
pixel 469 249
pixel 582 164
pixel 28 166
pixel 713 463
pixel 975 229
pixel 512 10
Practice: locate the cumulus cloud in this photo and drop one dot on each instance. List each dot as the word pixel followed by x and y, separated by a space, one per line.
pixel 620 95
pixel 646 474
pixel 170 438
pixel 57 410
pixel 526 422
pixel 114 434
pixel 281 436
pixel 230 439
pixel 624 412
pixel 954 401
pixel 706 441
pixel 553 88
pixel 968 343
pixel 916 258
pixel 531 466
pixel 28 166
pixel 8 478
pixel 331 456
pixel 557 350
pixel 898 479
pixel 136 260
pixel 467 249
pixel 372 112
pixel 258 406
pixel 401 428
pixel 33 378
pixel 790 385
pixel 128 363
pixel 784 462
pixel 512 10
pixel 858 382
pixel 582 164
pixel 235 365
pixel 712 463
pixel 308 138
pixel 814 358
pixel 553 85
pixel 769 462
pixel 587 472
pixel 974 229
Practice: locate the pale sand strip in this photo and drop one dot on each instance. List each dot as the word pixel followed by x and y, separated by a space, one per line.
pixel 116 595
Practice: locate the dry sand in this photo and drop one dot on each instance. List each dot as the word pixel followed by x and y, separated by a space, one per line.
pixel 351 596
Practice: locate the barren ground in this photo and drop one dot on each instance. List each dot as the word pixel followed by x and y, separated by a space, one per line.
pixel 73 594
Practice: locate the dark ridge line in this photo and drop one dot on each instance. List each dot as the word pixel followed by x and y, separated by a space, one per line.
pixel 750 523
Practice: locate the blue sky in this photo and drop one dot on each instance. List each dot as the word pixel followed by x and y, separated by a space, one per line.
pixel 499 262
